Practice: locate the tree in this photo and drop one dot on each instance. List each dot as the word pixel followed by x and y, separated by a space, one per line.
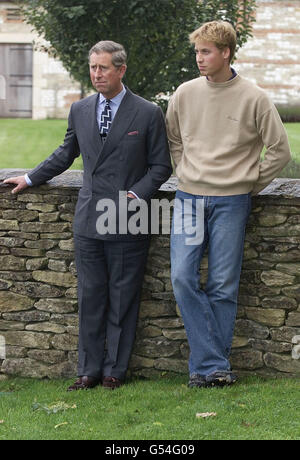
pixel 154 32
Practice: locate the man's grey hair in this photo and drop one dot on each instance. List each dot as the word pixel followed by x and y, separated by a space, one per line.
pixel 119 55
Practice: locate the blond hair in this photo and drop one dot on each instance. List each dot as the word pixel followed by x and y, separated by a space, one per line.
pixel 221 33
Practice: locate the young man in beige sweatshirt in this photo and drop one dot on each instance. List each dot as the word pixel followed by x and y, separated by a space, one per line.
pixel 217 125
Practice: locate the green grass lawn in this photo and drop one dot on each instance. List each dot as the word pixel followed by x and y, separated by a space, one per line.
pixel 293 130
pixel 292 170
pixel 25 143
pixel 161 409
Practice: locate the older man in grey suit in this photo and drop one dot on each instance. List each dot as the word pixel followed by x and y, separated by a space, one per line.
pixel 123 143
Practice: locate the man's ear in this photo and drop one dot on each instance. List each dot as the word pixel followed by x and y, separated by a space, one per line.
pixel 123 69
pixel 226 53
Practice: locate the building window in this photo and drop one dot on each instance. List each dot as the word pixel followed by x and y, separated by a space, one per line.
pixel 2 88
pixel 13 15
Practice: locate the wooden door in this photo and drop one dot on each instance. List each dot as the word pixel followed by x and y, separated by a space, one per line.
pixel 16 80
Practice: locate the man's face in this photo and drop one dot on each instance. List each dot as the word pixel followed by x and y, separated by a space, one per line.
pixel 105 77
pixel 211 61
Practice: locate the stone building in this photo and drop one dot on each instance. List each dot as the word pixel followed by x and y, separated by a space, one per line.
pixel 32 84
pixel 271 58
pixel 36 86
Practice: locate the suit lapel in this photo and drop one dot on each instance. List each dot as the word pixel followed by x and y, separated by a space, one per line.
pixel 123 118
pixel 91 128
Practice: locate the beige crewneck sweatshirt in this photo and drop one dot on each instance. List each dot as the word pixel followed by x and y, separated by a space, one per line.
pixel 217 132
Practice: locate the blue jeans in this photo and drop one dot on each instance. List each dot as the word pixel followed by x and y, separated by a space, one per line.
pixel 209 315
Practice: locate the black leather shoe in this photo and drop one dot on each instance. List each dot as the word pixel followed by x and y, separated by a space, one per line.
pixel 111 383
pixel 84 383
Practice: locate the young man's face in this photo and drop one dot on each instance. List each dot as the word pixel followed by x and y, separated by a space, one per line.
pixel 105 77
pixel 211 61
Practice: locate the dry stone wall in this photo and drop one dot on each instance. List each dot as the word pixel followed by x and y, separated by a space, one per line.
pixel 38 298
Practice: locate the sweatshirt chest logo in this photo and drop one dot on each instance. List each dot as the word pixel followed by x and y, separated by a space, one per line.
pixel 231 118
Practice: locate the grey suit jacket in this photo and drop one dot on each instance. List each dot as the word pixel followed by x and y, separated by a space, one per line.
pixel 135 156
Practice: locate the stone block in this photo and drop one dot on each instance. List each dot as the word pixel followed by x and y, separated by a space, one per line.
pixel 271 220
pixel 40 244
pixel 25 252
pixel 37 290
pixel 9 301
pixel 57 265
pixel 49 217
pixel 290 269
pixel 47 356
pixel 152 309
pixel 42 207
pixel 11 242
pixel 281 302
pixel 66 369
pixel 277 278
pixel 46 327
pixel 292 291
pixel 247 359
pixel 28 339
pixel 239 342
pixel 9 224
pixel 270 346
pixel 12 263
pixel 269 316
pixel 156 347
pixel 167 322
pixel 247 328
pixel 40 227
pixel 56 305
pixel 65 342
pixel 282 363
pixel 173 365
pixel 36 264
pixel 285 333
pixel 27 316
pixel 30 198
pixel 55 278
pixel 13 325
pixel 20 215
pixel 175 334
pixel 137 362
pixel 150 331
pixel 5 285
pixel 293 319
pixel 66 245
pixel 25 367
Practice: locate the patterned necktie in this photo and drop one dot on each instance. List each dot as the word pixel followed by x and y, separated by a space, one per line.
pixel 106 120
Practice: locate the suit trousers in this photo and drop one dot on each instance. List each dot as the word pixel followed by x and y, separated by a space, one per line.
pixel 110 277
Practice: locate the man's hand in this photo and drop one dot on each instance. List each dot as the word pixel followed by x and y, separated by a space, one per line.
pixel 19 181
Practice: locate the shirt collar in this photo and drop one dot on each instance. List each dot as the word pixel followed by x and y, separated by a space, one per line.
pixel 115 100
pixel 234 74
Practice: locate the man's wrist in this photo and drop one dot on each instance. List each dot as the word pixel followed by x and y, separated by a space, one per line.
pixel 131 194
